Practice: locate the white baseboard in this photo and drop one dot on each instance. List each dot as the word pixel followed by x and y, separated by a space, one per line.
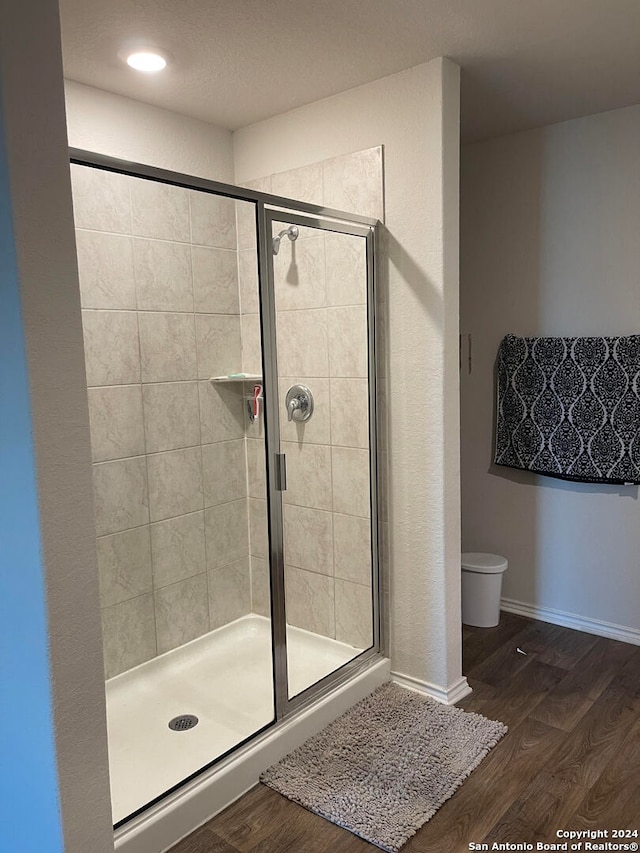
pixel 447 695
pixel 572 620
pixel 161 826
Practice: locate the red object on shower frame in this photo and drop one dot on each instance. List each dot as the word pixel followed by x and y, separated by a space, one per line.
pixel 257 394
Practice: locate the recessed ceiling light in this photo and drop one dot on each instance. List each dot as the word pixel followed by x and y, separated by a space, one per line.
pixel 148 61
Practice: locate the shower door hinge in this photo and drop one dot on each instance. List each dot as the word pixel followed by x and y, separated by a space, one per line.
pixel 281 472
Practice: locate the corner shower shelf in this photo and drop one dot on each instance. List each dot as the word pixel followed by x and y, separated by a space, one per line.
pixel 238 377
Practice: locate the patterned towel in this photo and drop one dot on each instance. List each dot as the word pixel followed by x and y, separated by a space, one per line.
pixel 570 407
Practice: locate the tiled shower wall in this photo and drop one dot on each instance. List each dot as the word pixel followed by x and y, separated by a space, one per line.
pixel 161 314
pixel 322 342
pixel 165 286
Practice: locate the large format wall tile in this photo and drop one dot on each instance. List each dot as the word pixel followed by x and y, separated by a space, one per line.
pixel 215 280
pixel 303 184
pixel 142 284
pixel 229 592
pixel 351 481
pixel 227 533
pixel 160 211
pixel 163 275
pixel 308 475
pixel 115 418
pixel 346 276
pixel 254 429
pixel 308 539
pixel 258 530
pixel 353 182
pixel 120 495
pixel 178 548
pixel 260 587
pixel 105 270
pixel 175 482
pixel 182 612
pixel 221 412
pixel 251 344
pixel 299 275
pixel 213 220
pixel 128 634
pixel 352 548
pixel 167 347
pixel 302 342
pixel 309 599
pixel 111 349
pixel 246 225
pixel 100 200
pixel 317 430
pixel 124 565
pixel 348 356
pixel 256 468
pixel 248 281
pixel 224 471
pixel 350 412
pixel 219 348
pixel 171 415
pixel 353 614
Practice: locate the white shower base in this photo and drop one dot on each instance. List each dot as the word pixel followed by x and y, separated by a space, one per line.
pixel 225 679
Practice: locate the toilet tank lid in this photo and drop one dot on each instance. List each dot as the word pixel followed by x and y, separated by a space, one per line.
pixel 490 564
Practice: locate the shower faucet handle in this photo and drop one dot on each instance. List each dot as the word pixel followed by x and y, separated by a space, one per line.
pixel 299 402
pixel 293 406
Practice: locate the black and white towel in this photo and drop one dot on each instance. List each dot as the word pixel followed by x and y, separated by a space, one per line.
pixel 570 407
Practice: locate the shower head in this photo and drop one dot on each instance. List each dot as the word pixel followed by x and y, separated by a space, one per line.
pixel 291 232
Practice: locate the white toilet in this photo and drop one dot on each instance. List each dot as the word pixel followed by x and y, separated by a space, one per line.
pixel 481 588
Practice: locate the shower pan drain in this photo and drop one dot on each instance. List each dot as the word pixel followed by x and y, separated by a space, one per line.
pixel 183 722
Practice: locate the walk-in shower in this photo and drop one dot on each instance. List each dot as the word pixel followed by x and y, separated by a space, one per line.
pixel 232 393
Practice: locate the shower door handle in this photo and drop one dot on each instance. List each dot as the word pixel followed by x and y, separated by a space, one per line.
pixel 281 472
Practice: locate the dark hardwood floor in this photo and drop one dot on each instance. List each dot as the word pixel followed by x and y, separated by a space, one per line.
pixel 571 758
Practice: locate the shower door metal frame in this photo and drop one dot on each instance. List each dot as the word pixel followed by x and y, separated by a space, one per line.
pixel 266 217
pixel 270 207
pixel 81 157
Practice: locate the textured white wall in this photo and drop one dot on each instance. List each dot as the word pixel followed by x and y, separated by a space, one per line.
pixel 120 127
pixel 550 224
pixel 414 115
pixel 33 105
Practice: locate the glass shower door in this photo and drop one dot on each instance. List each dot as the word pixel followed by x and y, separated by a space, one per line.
pixel 322 307
pixel 236 527
pixel 169 294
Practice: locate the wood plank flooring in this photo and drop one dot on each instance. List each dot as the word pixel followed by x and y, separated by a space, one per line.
pixel 571 759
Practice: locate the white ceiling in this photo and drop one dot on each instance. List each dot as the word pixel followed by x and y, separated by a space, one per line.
pixel 234 62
